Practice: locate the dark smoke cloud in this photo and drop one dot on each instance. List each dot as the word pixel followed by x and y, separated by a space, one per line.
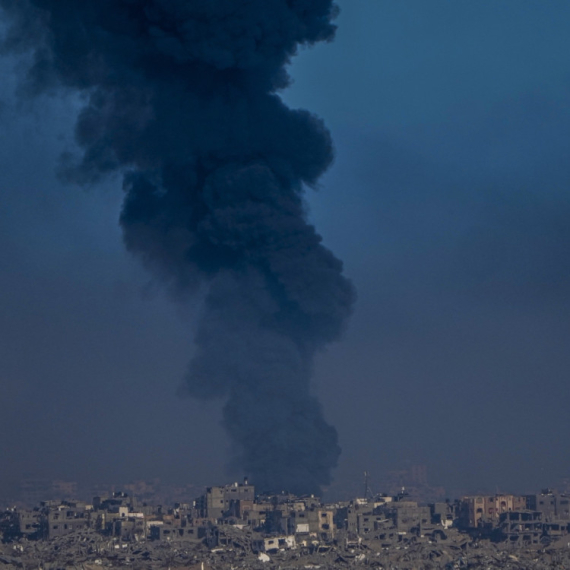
pixel 181 97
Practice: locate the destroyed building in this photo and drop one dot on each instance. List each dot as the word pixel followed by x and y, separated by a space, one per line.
pixel 230 523
pixel 67 517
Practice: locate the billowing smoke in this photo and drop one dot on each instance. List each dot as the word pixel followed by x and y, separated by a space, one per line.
pixel 181 98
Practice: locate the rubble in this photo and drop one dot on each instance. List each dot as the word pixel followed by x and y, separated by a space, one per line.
pixel 229 528
pixel 86 549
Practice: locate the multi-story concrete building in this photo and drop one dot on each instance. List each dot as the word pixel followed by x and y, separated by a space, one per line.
pixel 67 518
pixel 408 514
pixel 554 506
pixel 32 524
pixel 226 500
pixel 480 509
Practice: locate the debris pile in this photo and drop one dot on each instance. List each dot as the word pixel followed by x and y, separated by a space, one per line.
pixel 89 550
pixel 232 528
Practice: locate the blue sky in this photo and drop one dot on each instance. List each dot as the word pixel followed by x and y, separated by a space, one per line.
pixel 448 203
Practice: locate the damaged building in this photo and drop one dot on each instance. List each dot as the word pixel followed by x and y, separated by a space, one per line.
pixel 232 518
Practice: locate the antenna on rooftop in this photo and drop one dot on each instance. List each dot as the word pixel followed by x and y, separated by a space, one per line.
pixel 367 491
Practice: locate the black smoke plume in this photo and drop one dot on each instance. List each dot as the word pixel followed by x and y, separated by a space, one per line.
pixel 181 97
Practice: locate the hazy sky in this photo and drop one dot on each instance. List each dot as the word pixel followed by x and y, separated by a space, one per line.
pixel 449 205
